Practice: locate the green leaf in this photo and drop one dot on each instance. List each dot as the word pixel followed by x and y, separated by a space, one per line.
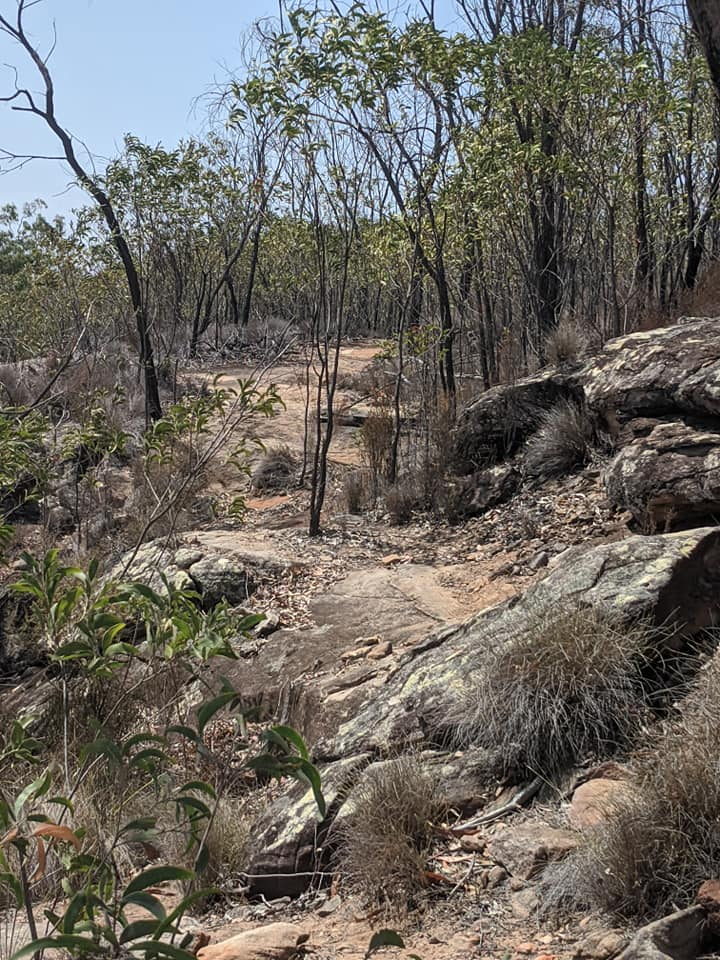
pixel 155 948
pixel 200 786
pixel 209 709
pixel 61 941
pixel 138 928
pixel 148 902
pixel 154 876
pixel 34 790
pixel 384 938
pixel 292 736
pixel 183 731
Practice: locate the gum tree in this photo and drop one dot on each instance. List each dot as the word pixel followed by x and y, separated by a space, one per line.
pixel 42 105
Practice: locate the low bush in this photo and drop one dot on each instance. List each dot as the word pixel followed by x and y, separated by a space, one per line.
pixel 375 437
pixel 384 841
pixel 562 443
pixel 356 490
pixel 571 685
pixel 663 840
pixel 275 470
pixel 402 500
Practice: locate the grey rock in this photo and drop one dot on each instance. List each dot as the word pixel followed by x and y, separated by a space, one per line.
pixel 668 477
pixel 525 850
pixel 539 560
pixel 222 578
pixel 485 489
pixel 675 937
pixel 329 907
pixel 672 579
pixel 498 422
pixel 287 840
pixel 670 370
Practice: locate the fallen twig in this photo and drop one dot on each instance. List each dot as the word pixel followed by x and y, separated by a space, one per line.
pixel 517 802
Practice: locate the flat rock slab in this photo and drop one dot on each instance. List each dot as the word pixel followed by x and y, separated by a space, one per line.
pixel 276 941
pixel 670 580
pixel 395 604
pixel 673 580
pixel 526 849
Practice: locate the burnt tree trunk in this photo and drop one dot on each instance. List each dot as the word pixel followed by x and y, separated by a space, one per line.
pixel 705 15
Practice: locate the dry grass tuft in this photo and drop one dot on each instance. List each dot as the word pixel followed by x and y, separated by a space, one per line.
pixel 562 443
pixel 384 840
pixel 402 500
pixel 663 840
pixel 357 490
pixel 565 344
pixel 275 470
pixel 572 685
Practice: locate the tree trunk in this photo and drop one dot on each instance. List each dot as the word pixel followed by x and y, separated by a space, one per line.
pixel 705 15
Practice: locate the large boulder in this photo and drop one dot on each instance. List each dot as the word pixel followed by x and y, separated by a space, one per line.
pixel 670 370
pixel 220 565
pixel 671 580
pixel 498 422
pixel 669 477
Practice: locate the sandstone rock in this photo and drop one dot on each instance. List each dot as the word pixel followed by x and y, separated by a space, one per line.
pixel 222 578
pixel 524 903
pixel 276 941
pixel 675 937
pixel 525 850
pixel 669 477
pixel 601 945
pixel 329 907
pixel 287 840
pixel 380 651
pixel 539 560
pixel 593 800
pixel 500 420
pixel 672 579
pixel 709 898
pixel 671 370
pixel 485 489
pixel 218 567
pixel 496 877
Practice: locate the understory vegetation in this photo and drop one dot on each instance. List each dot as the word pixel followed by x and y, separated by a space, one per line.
pixel 574 684
pixel 111 741
pixel 475 206
pixel 384 838
pixel 660 839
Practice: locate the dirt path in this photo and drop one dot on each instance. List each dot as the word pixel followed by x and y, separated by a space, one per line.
pixel 287 426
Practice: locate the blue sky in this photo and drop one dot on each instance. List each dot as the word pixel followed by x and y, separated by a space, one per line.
pixel 120 66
